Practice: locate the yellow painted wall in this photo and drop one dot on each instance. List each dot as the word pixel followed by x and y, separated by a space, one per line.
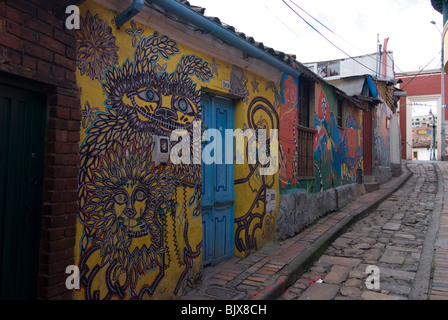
pixel 139 232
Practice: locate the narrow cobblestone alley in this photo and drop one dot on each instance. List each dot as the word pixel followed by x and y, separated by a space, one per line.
pixel 391 240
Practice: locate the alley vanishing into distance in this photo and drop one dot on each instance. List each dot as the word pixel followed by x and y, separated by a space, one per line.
pixel 404 238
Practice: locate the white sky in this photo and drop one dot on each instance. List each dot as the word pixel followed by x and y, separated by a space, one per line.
pixel 412 38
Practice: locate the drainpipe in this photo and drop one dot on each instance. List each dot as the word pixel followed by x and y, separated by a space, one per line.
pixel 445 11
pixel 223 34
pixel 385 58
pixel 130 12
pixel 372 87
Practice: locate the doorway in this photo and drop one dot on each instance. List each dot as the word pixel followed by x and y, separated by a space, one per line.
pixel 217 183
pixel 22 148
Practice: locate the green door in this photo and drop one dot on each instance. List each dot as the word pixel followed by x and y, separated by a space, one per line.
pixel 22 145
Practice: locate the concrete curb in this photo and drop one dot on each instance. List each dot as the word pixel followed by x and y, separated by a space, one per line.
pixel 290 273
pixel 420 289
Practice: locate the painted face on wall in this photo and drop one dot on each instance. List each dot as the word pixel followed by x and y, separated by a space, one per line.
pixel 129 206
pixel 164 109
pixel 128 196
pixel 153 100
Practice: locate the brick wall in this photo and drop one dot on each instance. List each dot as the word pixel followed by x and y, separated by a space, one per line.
pixel 37 50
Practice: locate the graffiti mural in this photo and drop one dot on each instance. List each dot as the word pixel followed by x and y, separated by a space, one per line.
pixel 381 135
pixel 96 47
pixel 139 230
pixel 288 132
pixel 256 225
pixel 337 150
pixel 129 199
pixel 136 216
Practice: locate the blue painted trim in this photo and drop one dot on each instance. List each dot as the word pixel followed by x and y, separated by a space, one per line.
pixel 372 87
pixel 130 12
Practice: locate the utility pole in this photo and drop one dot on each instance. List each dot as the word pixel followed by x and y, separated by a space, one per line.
pixel 442 99
pixel 433 149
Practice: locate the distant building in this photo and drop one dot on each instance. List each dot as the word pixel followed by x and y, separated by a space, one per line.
pixel 422 142
pixel 423 88
pixel 371 78
pixel 418 121
pixel 367 64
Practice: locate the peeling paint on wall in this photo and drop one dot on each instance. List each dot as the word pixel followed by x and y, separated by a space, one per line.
pixel 381 135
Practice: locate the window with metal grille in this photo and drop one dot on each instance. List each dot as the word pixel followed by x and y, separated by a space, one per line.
pixel 305 134
pixel 305 161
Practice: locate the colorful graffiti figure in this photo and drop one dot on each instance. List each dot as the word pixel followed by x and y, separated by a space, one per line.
pixel 130 200
pixel 288 134
pixel 352 148
pixel 352 142
pixel 337 155
pixel 261 114
pixel 137 199
pixel 327 141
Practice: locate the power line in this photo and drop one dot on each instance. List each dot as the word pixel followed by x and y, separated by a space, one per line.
pixel 421 70
pixel 327 38
pixel 280 20
pixel 369 55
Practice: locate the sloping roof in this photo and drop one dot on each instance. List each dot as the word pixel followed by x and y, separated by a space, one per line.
pixel 438 5
pixel 288 59
pixel 353 86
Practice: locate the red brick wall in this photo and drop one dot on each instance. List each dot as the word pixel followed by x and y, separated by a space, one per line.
pixel 37 50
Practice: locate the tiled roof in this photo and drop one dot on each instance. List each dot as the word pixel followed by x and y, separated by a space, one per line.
pixel 288 59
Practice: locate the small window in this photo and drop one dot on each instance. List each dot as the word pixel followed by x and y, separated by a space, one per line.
pixel 305 160
pixel 340 113
pixel 304 103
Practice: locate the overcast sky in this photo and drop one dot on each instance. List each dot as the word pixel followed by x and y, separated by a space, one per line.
pixel 412 38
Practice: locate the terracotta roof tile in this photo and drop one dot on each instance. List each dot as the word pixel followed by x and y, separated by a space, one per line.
pixel 284 57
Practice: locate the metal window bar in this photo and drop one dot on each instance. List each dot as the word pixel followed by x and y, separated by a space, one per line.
pixel 305 140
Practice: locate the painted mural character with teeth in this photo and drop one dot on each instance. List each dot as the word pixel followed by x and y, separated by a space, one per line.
pixel 132 201
pixel 142 101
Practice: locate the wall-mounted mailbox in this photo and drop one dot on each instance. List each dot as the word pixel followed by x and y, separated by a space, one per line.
pixel 161 151
pixel 271 200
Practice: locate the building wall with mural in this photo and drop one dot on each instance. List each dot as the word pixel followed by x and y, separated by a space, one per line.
pixel 381 135
pixel 139 230
pixel 337 152
pixel 337 149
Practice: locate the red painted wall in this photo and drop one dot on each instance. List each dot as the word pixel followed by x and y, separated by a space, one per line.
pixel 423 84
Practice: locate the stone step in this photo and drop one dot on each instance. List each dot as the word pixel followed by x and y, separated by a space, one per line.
pixel 371 186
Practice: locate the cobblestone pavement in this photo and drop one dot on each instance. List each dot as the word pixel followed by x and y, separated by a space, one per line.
pixel 393 239
pixel 265 274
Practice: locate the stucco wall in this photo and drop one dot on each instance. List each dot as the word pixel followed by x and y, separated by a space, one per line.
pixel 337 157
pixel 139 231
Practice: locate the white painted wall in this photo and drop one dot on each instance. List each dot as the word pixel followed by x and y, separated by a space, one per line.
pixel 423 153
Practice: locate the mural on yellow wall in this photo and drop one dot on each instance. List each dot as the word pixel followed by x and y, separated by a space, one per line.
pixel 256 226
pixel 139 226
pixel 125 200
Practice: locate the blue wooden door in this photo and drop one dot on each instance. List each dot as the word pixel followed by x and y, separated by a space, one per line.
pixel 217 183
